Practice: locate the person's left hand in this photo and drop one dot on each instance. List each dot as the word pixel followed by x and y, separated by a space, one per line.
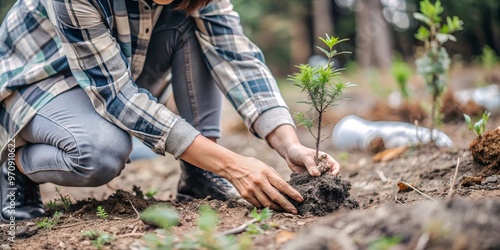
pixel 300 158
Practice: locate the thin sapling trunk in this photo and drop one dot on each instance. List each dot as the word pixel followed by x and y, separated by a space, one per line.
pixel 323 87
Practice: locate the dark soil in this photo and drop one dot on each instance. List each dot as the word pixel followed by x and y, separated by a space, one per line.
pixel 454 224
pixel 486 150
pixel 322 194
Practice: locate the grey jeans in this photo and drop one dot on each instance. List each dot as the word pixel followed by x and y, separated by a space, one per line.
pixel 69 144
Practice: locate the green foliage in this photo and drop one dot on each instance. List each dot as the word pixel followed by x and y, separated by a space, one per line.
pixel 264 215
pixel 343 156
pixel 204 236
pixel 162 216
pixel 102 213
pixel 434 64
pixel 385 243
pixel 480 126
pixel 401 73
pixel 47 223
pixel 98 239
pixel 488 58
pixel 323 87
pixel 62 203
pixel 259 226
pixel 151 194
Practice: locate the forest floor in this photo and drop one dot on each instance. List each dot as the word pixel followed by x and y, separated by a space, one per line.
pixel 387 217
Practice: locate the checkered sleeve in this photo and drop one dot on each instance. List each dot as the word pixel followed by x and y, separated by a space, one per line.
pixel 239 69
pixel 103 71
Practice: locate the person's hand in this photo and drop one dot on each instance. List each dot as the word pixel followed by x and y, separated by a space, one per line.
pixel 256 182
pixel 298 157
pixel 261 185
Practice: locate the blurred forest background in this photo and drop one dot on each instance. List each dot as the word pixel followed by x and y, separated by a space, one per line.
pixel 379 30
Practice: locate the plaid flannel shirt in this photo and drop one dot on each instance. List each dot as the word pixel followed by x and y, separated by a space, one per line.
pixel 50 46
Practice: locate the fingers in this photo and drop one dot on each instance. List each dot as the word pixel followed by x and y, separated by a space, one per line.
pixel 311 166
pixel 335 165
pixel 269 195
pixel 267 202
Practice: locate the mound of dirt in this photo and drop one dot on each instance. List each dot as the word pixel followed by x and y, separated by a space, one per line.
pixel 455 224
pixel 486 150
pixel 453 111
pixel 323 194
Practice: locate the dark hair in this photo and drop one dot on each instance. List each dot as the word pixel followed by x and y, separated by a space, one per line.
pixel 189 5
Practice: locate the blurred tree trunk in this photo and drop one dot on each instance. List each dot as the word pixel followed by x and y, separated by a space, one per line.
pixel 300 42
pixel 323 22
pixel 373 36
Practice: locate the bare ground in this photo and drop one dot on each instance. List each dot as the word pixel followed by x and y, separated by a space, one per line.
pixel 373 184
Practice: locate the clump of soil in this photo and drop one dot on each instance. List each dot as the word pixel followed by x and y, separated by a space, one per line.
pixel 457 224
pixel 411 111
pixel 323 194
pixel 406 112
pixel 485 150
pixel 453 111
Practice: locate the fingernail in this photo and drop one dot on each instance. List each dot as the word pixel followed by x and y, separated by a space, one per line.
pixel 294 211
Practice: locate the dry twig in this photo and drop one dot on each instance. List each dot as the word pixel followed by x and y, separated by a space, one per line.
pixel 418 191
pixel 129 235
pixel 239 229
pixel 70 225
pixel 452 184
pixel 381 175
pixel 138 214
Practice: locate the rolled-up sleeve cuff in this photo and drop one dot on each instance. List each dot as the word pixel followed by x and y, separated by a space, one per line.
pixel 180 137
pixel 270 120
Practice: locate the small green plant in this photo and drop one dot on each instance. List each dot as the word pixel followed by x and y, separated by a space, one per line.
pixel 203 237
pixel 63 203
pixel 323 87
pixel 102 213
pixel 47 223
pixel 97 238
pixel 151 194
pixel 258 226
pixel 480 126
pixel 385 243
pixel 401 72
pixel 434 64
pixel 488 58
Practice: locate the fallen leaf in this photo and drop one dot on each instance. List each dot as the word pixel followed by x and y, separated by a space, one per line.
pixel 389 154
pixel 284 236
pixel 403 187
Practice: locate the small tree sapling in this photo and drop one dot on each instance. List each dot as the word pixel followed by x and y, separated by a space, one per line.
pixel 434 64
pixel 323 87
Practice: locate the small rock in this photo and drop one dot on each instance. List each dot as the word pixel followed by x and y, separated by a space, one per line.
pixel 5 247
pixel 362 162
pixel 26 232
pixel 62 245
pixel 86 243
pixel 491 179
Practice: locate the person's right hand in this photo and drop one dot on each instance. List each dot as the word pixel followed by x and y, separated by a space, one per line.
pixel 256 182
pixel 261 185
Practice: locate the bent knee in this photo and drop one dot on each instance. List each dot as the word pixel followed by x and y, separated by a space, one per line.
pixel 100 160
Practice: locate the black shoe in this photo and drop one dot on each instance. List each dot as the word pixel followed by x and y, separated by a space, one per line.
pixel 196 183
pixel 19 197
